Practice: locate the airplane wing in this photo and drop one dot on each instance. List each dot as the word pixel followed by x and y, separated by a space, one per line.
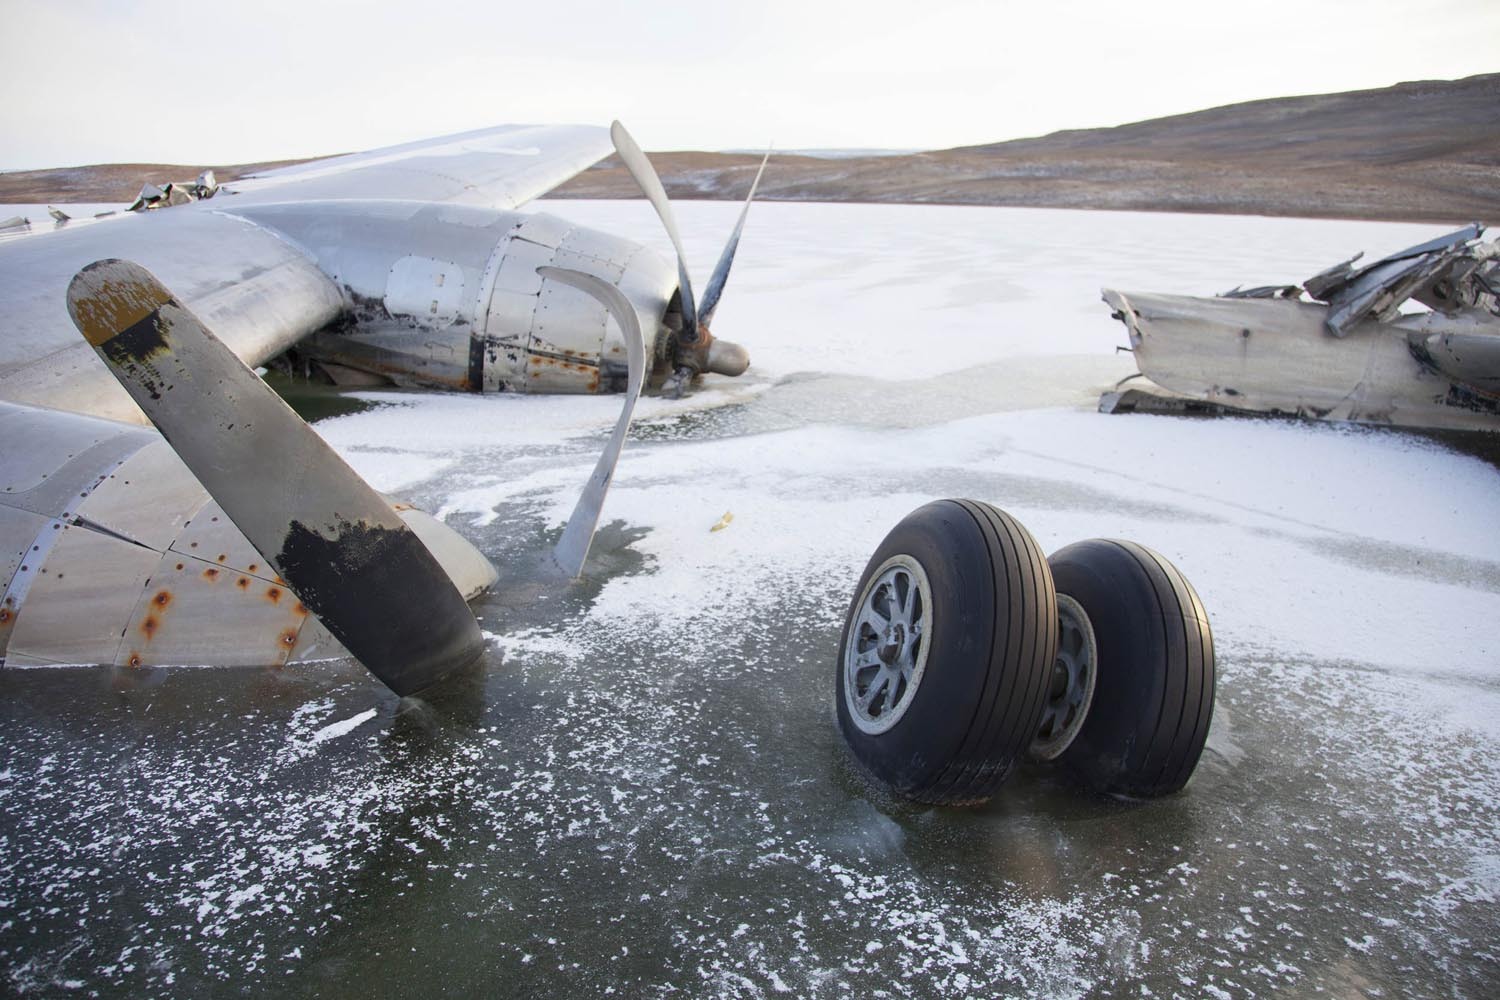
pixel 502 167
pixel 259 289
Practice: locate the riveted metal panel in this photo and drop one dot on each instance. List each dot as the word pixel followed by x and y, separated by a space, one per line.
pixel 210 535
pixel 429 290
pixel 50 456
pixel 314 643
pixel 603 267
pixel 518 267
pixel 604 247
pixel 20 534
pixel 547 230
pixel 196 612
pixel 18 529
pixel 567 321
pixel 563 353
pixel 511 316
pixel 82 597
pixel 505 345
pixel 148 498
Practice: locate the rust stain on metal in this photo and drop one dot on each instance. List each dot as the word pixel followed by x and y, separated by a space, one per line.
pixel 243 582
pixel 135 660
pixel 289 638
pixel 273 594
pixel 149 627
pixel 223 556
pixel 300 609
pixel 254 567
pixel 210 574
pixel 163 597
pixel 105 304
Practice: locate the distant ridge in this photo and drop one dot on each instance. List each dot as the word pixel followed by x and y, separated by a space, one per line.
pixel 1423 151
pixel 1425 121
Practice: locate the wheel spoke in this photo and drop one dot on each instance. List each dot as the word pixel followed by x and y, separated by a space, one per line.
pixel 903 595
pixel 890 694
pixel 881 681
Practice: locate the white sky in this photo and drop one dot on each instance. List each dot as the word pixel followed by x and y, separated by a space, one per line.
pixel 86 81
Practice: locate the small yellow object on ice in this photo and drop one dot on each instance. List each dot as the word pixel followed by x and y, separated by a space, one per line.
pixel 723 522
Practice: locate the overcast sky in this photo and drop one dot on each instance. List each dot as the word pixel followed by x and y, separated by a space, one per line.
pixel 87 81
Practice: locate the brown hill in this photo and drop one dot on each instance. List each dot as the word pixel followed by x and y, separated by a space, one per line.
pixel 1426 151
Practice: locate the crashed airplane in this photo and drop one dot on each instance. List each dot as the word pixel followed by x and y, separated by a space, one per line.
pixel 1348 355
pixel 235 536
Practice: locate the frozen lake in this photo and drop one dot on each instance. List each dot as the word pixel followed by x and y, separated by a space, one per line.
pixel 642 790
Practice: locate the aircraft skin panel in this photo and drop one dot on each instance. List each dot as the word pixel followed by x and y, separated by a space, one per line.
pixel 502 167
pixel 119 495
pixel 148 499
pixel 19 531
pixel 195 612
pixel 83 591
pixel 257 289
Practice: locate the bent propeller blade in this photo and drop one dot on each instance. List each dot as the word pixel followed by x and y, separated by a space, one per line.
pixel 646 179
pixel 573 548
pixel 726 258
pixel 335 541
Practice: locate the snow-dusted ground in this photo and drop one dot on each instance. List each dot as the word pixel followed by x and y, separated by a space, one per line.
pixel 643 792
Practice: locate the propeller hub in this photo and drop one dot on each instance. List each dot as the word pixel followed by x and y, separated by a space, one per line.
pixel 727 358
pixel 705 353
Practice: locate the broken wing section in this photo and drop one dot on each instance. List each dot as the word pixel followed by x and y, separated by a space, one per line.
pixel 502 167
pixel 262 293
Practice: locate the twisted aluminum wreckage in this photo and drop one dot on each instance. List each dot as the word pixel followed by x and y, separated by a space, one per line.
pixel 1350 354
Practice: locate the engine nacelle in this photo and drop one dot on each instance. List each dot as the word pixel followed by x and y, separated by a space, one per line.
pixel 449 296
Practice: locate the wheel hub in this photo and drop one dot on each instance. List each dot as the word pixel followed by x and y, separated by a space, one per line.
pixel 892 642
pixel 884 655
pixel 1071 691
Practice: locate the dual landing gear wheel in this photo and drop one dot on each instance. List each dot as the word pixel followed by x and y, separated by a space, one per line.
pixel 960 653
pixel 1153 697
pixel 946 652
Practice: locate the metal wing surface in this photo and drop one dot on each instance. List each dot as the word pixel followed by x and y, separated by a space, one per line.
pixel 502 167
pixel 259 290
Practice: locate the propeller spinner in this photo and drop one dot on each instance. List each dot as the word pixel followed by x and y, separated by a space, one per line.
pixel 695 349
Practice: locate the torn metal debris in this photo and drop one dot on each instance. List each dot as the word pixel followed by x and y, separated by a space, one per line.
pixel 175 193
pixel 1351 353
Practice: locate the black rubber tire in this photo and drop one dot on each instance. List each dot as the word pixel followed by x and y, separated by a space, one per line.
pixel 990 648
pixel 1154 694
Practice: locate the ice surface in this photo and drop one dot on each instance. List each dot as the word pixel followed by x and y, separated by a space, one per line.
pixel 643 792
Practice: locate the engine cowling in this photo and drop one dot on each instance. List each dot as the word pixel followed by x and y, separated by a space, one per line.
pixel 450 297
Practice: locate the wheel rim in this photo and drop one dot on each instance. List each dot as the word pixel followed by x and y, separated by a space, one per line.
pixel 886 652
pixel 1071 684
